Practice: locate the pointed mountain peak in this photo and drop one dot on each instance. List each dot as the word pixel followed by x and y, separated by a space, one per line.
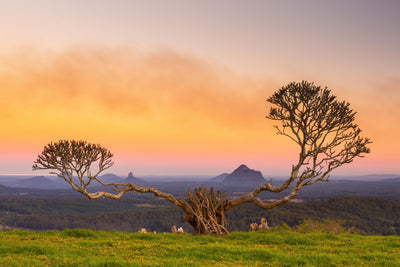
pixel 244 175
pixel 132 179
pixel 243 167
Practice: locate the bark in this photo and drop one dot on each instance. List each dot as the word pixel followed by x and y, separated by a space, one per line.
pixel 207 211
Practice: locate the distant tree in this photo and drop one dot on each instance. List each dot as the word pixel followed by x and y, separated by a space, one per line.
pixel 74 158
pixel 309 115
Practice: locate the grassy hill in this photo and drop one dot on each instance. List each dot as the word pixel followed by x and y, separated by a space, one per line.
pixel 278 248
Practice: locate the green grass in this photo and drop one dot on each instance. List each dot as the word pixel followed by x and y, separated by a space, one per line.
pixel 279 248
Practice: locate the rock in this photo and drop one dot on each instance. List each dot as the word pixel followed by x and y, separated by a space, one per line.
pixel 173 229
pixel 262 226
pixel 253 227
pixel 177 231
pixel 142 231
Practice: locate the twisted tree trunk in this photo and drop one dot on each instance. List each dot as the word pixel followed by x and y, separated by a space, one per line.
pixel 207 209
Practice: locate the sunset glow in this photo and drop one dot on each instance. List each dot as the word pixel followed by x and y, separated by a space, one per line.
pixel 195 107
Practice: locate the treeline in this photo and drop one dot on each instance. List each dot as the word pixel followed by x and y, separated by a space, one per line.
pixel 159 220
pixel 47 206
pixel 369 215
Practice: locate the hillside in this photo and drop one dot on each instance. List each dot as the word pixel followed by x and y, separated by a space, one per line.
pixel 220 178
pixel 279 248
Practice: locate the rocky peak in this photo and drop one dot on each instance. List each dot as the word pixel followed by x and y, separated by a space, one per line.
pixel 243 168
pixel 132 179
pixel 244 175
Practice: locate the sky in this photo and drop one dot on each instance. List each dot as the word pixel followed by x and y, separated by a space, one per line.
pixel 180 87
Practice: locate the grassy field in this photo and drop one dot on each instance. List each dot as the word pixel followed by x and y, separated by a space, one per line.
pixel 279 248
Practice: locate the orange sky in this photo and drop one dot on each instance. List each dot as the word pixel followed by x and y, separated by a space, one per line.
pixel 165 106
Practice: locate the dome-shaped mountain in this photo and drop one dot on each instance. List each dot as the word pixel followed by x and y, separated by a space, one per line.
pixel 110 178
pixel 244 175
pixel 35 182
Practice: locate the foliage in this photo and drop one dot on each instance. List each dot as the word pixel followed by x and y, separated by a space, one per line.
pixel 68 158
pixel 321 126
pixel 280 248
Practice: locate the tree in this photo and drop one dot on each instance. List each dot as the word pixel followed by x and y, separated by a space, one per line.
pixel 309 115
pixel 69 158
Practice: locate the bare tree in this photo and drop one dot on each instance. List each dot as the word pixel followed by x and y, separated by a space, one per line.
pixel 309 115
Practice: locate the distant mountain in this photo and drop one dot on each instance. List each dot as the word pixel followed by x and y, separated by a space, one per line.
pixel 110 178
pixel 367 178
pixel 132 179
pixel 244 175
pixel 43 182
pixel 397 180
pixel 220 178
pixel 36 182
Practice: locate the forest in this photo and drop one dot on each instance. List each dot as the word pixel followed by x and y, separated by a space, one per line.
pixel 373 207
pixel 370 215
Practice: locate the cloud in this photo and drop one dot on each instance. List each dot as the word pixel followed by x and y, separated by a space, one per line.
pixel 162 98
pixel 161 104
pixel 139 84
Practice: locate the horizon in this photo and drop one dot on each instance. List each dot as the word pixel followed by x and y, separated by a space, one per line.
pixel 200 177
pixel 180 88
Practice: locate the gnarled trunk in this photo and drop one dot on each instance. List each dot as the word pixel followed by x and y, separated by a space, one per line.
pixel 207 209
